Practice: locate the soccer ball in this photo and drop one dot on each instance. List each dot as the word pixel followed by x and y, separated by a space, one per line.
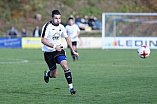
pixel 143 51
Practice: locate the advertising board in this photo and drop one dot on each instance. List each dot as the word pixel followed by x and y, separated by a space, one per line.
pixel 10 42
pixel 129 42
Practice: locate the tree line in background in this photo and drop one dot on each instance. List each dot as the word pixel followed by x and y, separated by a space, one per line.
pixel 13 9
pixel 15 12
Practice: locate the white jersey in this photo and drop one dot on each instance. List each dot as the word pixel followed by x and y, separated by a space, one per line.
pixel 72 32
pixel 53 35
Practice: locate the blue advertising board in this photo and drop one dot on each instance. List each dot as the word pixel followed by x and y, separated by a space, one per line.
pixel 10 42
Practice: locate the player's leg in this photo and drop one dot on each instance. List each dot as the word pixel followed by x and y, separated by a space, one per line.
pixel 73 56
pixel 75 48
pixel 63 62
pixel 52 73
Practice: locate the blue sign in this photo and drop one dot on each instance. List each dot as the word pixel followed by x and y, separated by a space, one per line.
pixel 10 43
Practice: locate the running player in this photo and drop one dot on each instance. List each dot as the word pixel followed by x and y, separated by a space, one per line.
pixel 52 50
pixel 73 33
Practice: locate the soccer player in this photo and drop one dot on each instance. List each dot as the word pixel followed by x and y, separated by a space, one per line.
pixel 73 33
pixel 52 50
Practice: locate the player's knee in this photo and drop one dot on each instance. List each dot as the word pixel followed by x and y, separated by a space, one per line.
pixel 65 67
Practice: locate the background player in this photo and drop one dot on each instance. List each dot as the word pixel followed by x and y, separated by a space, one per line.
pixel 73 33
pixel 51 47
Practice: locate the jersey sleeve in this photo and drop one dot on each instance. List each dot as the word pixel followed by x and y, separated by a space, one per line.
pixel 45 31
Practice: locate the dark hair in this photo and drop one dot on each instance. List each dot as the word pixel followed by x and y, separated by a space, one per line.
pixel 11 26
pixel 55 12
pixel 70 18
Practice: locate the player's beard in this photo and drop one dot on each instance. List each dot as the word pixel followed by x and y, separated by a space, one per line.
pixel 55 24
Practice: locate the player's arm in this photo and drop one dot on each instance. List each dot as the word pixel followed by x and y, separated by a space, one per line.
pixel 78 33
pixel 44 41
pixel 45 31
pixel 57 47
pixel 70 46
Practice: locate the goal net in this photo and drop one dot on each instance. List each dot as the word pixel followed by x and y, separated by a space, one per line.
pixel 129 30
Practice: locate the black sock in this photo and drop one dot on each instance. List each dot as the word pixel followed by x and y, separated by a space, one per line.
pixel 73 56
pixel 68 76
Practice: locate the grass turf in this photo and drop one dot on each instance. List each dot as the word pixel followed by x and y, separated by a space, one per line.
pixel 99 77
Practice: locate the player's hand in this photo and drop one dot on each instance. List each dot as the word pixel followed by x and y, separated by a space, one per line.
pixel 59 47
pixel 75 53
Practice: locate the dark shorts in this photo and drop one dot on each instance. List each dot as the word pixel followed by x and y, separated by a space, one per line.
pixel 73 43
pixel 53 58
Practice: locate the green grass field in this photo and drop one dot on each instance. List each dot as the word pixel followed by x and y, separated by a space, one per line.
pixel 99 77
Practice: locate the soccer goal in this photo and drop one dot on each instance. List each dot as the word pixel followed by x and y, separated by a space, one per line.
pixel 129 30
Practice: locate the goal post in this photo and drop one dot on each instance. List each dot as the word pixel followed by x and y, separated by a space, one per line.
pixel 129 30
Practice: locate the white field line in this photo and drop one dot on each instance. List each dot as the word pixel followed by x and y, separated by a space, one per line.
pixel 12 61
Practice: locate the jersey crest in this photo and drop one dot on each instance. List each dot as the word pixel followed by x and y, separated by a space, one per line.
pixel 57 34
